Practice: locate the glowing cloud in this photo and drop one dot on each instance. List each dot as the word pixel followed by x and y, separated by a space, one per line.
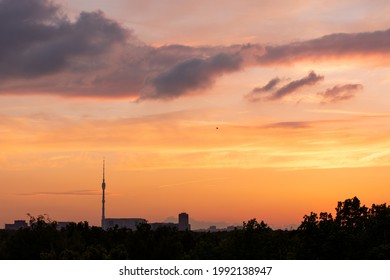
pixel 330 46
pixel 43 51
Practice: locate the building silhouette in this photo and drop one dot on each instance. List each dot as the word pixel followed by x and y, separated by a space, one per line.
pixel 184 222
pixel 18 224
pixel 129 223
pixel 154 226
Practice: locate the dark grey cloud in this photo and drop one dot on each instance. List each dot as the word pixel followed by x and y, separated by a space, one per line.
pixel 37 39
pixel 193 74
pixel 269 86
pixel 340 93
pixel 257 93
pixel 167 72
pixel 270 92
pixel 43 51
pixel 331 46
pixel 311 79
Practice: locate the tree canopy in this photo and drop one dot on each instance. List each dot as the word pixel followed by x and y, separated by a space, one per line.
pixel 355 232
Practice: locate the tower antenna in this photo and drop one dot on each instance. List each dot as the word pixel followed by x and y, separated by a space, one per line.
pixel 103 168
pixel 103 198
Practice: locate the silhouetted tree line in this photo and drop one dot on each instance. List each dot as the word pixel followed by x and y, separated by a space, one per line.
pixel 356 232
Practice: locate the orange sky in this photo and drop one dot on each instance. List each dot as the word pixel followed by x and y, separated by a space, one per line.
pixel 291 123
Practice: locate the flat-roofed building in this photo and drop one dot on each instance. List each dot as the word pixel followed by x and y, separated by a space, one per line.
pixel 16 225
pixel 155 226
pixel 129 223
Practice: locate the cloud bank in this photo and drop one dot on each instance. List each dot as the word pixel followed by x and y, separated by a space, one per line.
pixel 42 51
pixel 37 39
pixel 340 45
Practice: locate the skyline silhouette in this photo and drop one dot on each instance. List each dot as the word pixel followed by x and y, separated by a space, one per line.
pixel 355 232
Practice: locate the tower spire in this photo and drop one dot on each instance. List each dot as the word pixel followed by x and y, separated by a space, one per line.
pixel 103 198
pixel 103 170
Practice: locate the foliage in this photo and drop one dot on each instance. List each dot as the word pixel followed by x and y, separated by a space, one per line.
pixel 356 232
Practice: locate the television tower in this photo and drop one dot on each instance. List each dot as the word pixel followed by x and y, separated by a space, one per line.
pixel 103 200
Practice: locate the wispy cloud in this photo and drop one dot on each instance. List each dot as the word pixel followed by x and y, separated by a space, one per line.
pixel 353 113
pixel 305 124
pixel 331 46
pixel 257 92
pixel 340 93
pixel 269 86
pixel 310 80
pixel 268 92
pixel 289 125
pixel 74 192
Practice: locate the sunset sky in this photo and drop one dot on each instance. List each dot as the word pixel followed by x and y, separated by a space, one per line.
pixel 227 110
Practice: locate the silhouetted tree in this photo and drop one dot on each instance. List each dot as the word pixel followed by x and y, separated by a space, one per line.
pixel 356 232
pixel 350 215
pixel 254 225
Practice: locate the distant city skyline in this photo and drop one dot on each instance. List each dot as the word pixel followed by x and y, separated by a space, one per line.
pixel 196 225
pixel 226 110
pixel 131 222
pixel 182 223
